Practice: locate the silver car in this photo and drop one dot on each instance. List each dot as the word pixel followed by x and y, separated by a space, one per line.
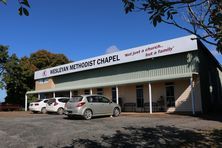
pixel 89 106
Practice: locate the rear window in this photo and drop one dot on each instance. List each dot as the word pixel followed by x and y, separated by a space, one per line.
pixel 46 101
pixel 38 100
pixel 64 100
pixel 76 99
pixel 51 101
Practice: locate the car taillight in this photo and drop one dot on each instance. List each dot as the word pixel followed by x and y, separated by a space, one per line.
pixel 36 104
pixel 66 105
pixel 55 103
pixel 80 104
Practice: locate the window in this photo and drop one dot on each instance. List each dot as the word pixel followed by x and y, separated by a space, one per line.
pixel 38 101
pixel 93 99
pixel 170 99
pixel 63 94
pixel 43 96
pixel 139 96
pixel 103 100
pixel 86 92
pixel 43 81
pixel 40 81
pixel 46 101
pixel 64 100
pixel 100 91
pixel 75 93
pixel 51 101
pixel 76 99
pixel 98 99
pixel 114 94
pixel 90 99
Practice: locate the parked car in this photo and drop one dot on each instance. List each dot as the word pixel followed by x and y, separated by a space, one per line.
pixel 89 106
pixel 56 105
pixel 38 106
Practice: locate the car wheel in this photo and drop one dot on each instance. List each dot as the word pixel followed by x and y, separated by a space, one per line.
pixel 43 111
pixel 116 112
pixel 60 111
pixel 87 114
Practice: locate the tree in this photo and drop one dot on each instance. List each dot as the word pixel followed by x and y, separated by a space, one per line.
pixel 23 9
pixel 18 73
pixel 203 16
pixel 44 59
pixel 18 78
pixel 3 59
pixel 13 79
pixel 27 70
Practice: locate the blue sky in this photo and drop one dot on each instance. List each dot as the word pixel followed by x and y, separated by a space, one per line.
pixel 79 29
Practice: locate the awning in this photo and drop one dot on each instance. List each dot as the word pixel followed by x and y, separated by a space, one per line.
pixel 68 86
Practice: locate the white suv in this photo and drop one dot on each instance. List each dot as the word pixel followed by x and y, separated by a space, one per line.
pixel 38 106
pixel 56 105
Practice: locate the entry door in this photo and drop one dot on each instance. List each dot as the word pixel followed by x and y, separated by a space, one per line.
pixel 114 94
pixel 170 98
pixel 139 96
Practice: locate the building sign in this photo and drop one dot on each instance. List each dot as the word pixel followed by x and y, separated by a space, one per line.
pixel 164 48
pixel 76 66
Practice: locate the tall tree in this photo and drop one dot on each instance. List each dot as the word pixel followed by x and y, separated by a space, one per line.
pixel 18 74
pixel 3 59
pixel 27 70
pixel 13 79
pixel 203 16
pixel 45 59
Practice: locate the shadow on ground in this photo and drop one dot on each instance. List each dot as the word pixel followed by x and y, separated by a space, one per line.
pixel 212 117
pixel 82 118
pixel 160 136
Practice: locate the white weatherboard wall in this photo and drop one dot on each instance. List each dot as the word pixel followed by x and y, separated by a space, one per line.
pixel 178 45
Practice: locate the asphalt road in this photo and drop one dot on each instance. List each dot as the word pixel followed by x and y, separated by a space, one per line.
pixel 141 130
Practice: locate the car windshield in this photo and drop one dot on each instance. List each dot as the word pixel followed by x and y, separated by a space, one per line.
pixel 76 99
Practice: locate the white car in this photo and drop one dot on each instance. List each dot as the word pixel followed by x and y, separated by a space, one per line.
pixel 38 106
pixel 57 104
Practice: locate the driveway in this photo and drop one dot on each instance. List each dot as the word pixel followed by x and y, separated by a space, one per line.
pixel 132 130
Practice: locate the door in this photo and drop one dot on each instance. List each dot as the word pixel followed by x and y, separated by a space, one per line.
pixel 139 96
pixel 106 106
pixel 170 98
pixel 94 104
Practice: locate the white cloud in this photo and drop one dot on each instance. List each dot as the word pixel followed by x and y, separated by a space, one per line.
pixel 112 49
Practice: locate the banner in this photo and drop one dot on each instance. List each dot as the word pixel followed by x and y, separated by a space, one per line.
pixel 169 47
